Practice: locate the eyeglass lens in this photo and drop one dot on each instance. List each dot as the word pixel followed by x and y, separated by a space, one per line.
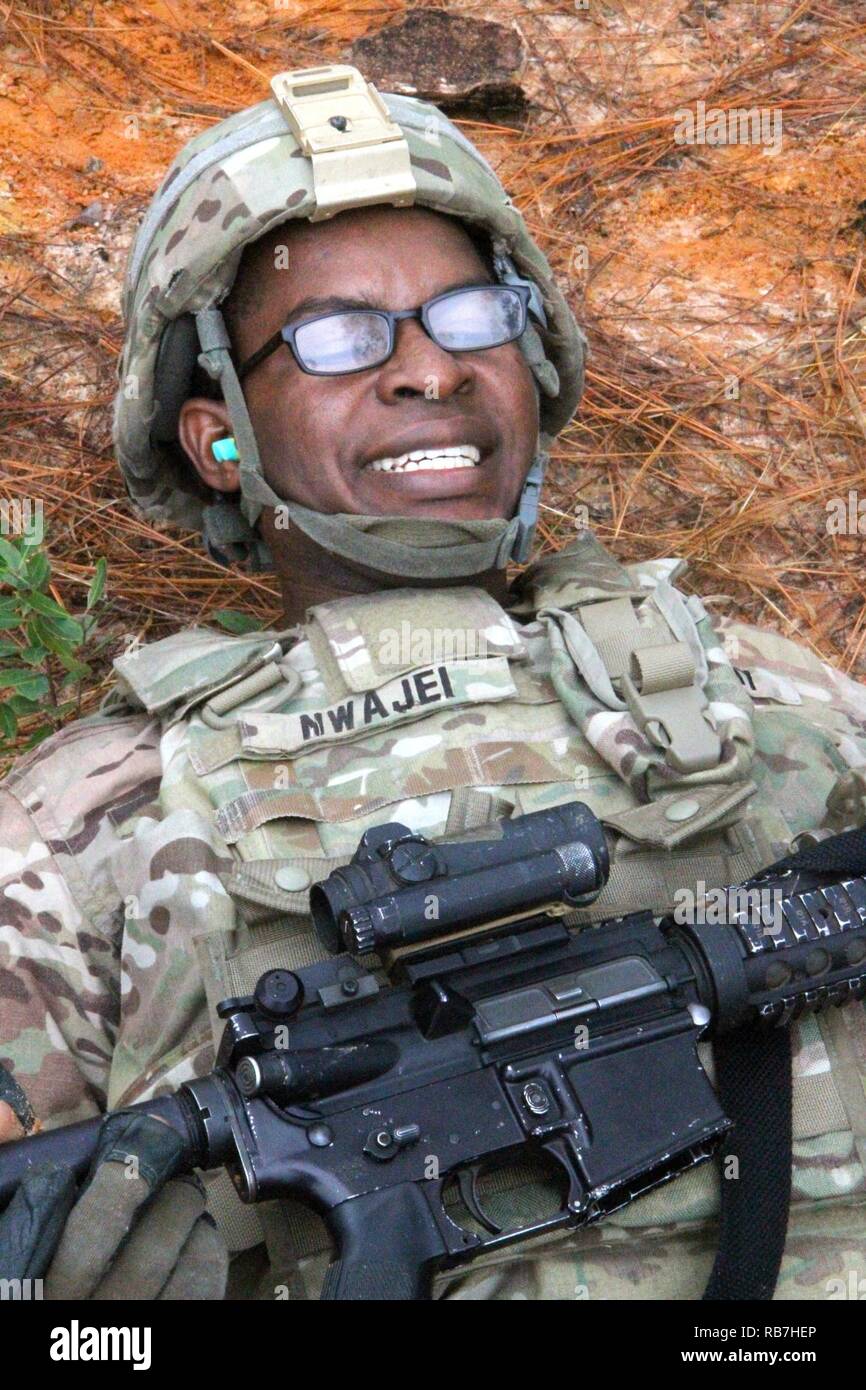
pixel 475 319
pixel 471 319
pixel 343 342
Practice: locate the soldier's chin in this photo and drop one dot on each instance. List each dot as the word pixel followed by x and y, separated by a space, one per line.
pixel 435 508
pixel 395 490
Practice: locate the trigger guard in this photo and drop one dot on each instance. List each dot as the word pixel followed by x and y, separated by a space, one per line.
pixel 561 1149
pixel 467 1183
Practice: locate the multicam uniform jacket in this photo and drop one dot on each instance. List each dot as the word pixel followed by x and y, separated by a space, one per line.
pixel 157 856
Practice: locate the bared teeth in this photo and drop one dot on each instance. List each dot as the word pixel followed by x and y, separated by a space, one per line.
pixel 423 460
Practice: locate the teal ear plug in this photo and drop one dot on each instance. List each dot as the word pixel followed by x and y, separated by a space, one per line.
pixel 225 450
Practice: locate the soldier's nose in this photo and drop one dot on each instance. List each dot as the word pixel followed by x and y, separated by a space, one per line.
pixel 418 367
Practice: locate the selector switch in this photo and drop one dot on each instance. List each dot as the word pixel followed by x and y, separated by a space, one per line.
pixel 386 1141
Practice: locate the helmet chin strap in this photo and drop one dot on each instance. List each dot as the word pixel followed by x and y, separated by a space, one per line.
pixel 401 546
pixel 410 548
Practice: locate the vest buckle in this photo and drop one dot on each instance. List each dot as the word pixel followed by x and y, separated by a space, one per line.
pixel 674 721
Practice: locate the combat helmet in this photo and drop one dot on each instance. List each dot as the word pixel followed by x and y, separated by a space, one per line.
pixel 324 142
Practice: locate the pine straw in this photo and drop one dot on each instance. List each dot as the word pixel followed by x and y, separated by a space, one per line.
pixel 661 459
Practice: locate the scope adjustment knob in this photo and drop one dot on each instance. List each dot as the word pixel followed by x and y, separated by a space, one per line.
pixel 412 861
pixel 359 934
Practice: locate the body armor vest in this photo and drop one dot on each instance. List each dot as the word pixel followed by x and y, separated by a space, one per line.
pixel 442 710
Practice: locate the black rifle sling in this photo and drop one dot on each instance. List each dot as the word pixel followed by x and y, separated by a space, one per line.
pixel 753 1080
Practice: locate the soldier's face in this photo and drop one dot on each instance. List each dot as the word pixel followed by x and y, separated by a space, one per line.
pixel 321 437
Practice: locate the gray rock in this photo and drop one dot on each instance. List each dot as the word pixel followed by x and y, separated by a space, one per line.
pixel 90 216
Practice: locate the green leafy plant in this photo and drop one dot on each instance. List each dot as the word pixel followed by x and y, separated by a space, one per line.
pixel 234 621
pixel 43 649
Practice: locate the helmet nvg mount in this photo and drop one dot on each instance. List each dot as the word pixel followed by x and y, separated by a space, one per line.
pixel 325 142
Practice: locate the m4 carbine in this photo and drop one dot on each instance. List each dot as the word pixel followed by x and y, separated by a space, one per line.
pixel 466 1026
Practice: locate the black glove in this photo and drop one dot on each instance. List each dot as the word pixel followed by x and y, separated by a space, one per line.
pixel 135 1231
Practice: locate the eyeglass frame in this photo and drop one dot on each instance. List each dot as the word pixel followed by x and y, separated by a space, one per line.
pixel 286 334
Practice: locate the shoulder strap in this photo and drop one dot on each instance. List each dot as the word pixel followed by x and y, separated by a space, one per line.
pixel 755 1090
pixel 581 572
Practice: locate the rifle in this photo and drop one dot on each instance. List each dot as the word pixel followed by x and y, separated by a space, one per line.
pixel 464 1025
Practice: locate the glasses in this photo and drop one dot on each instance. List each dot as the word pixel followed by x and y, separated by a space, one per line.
pixel 354 340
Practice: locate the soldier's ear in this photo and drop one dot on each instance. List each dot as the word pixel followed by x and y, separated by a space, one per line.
pixel 201 424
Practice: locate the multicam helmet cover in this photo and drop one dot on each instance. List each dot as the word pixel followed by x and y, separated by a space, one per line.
pixel 326 141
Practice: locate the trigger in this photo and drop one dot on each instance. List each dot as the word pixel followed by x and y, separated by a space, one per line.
pixel 467 1180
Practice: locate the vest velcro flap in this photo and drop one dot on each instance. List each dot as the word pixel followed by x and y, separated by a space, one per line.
pixel 193 664
pixel 276 885
pixel 362 642
pixel 674 819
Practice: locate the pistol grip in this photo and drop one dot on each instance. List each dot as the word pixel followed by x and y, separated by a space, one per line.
pixel 387 1246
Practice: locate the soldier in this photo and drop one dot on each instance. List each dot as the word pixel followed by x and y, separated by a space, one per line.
pixel 345 358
